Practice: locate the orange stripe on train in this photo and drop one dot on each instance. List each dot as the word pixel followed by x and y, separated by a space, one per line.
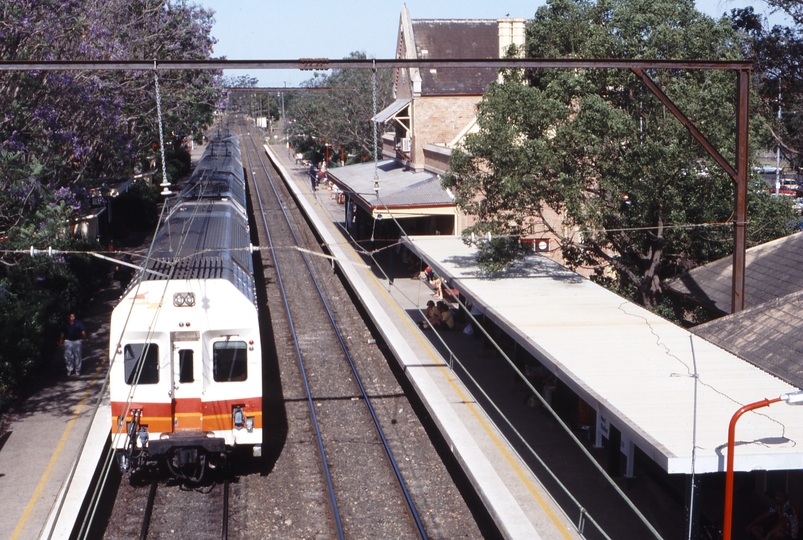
pixel 184 414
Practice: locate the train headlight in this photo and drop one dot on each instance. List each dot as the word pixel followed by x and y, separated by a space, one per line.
pixel 238 417
pixel 249 424
pixel 184 299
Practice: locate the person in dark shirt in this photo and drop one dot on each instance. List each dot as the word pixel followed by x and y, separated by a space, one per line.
pixel 313 176
pixel 71 339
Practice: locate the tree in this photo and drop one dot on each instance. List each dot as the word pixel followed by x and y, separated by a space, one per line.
pixel 60 128
pixel 341 115
pixel 778 74
pixel 256 103
pixel 597 148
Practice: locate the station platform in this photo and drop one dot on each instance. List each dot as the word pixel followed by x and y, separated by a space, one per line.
pixel 51 444
pixel 516 500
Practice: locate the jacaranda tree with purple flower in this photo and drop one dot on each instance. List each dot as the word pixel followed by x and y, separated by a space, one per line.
pixel 61 128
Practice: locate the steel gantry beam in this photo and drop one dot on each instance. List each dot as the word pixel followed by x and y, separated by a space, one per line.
pixel 743 69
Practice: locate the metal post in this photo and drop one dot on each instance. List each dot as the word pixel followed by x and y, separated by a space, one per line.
pixel 728 515
pixel 284 120
pixel 778 144
pixel 740 204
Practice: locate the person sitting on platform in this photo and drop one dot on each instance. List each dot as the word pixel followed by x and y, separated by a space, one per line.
pixel 446 318
pixel 431 316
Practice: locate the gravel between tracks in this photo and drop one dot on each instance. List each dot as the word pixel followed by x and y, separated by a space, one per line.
pixel 292 488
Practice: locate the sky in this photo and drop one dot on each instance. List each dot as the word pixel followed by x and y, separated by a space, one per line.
pixel 289 30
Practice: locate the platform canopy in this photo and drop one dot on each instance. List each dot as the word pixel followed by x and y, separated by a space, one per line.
pixel 634 367
pixel 391 110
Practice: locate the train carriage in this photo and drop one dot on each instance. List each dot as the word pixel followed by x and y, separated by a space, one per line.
pixel 186 369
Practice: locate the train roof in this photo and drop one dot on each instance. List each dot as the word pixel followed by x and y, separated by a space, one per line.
pixel 219 163
pixel 204 240
pixel 215 186
pixel 223 148
pixel 223 134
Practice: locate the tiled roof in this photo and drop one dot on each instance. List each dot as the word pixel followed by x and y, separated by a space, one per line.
pixel 772 270
pixel 456 39
pixel 768 336
pixel 767 333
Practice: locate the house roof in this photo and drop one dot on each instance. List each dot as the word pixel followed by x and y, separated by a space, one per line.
pixel 399 187
pixel 456 39
pixel 767 332
pixel 772 270
pixel 767 336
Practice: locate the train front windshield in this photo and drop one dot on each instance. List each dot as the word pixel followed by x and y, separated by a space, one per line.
pixel 141 362
pixel 230 362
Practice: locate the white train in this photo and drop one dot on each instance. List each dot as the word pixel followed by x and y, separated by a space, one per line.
pixel 186 360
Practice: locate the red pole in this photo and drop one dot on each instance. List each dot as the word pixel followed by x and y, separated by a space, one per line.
pixel 726 524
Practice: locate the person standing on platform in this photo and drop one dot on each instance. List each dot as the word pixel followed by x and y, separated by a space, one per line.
pixel 71 339
pixel 313 176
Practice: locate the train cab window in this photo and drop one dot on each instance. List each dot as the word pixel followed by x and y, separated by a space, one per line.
pixel 230 361
pixel 185 366
pixel 145 355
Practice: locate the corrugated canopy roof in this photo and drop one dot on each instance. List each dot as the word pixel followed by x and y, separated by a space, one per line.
pixel 633 366
pixel 398 187
pixel 391 110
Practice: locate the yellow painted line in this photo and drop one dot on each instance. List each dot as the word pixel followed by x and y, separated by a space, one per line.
pixel 43 481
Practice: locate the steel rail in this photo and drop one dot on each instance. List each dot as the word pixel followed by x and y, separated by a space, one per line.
pixel 330 486
pixel 366 397
pixel 224 534
pixel 321 64
pixel 146 519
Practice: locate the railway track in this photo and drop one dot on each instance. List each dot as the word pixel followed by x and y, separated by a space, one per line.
pixel 150 507
pixel 375 498
pixel 381 478
pixel 366 494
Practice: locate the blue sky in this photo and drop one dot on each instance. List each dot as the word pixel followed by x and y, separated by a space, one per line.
pixel 271 30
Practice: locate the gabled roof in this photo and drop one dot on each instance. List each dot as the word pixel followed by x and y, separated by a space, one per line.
pixel 772 270
pixel 768 336
pixel 456 39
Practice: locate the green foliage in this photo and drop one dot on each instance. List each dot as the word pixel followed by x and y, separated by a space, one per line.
pixel 35 296
pixel 639 197
pixel 136 209
pixel 778 74
pixel 340 116
pixel 60 128
pixel 497 253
